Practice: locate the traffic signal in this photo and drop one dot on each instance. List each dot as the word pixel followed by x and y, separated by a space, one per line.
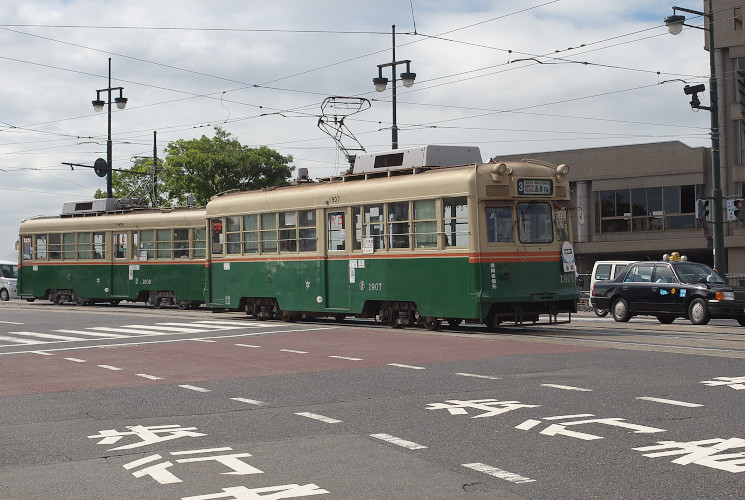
pixel 703 210
pixel 739 209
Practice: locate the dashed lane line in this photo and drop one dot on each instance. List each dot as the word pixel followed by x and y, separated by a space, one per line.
pixel 194 388
pixel 150 377
pixel 321 418
pixel 293 351
pixel 249 401
pixel 76 360
pixel 499 473
pixel 567 387
pixel 670 402
pixel 109 367
pixel 346 357
pixel 474 375
pixel 398 365
pixel 410 445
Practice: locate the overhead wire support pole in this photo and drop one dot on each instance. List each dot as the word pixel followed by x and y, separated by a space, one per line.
pixel 98 104
pixel 407 78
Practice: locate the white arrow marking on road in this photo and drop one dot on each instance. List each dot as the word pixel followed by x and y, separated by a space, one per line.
pixel 670 402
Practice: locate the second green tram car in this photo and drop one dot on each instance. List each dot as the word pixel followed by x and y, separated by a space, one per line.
pixel 481 243
pixel 155 256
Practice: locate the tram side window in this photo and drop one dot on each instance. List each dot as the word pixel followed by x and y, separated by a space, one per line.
pixel 399 227
pixel 336 234
pixel 251 233
pixel 269 233
pixel 233 235
pixel 27 248
pixel 163 244
pixel 561 222
pixel 499 225
pixel 120 245
pixel 69 250
pixel 373 225
pixel 99 245
pixel 55 246
pixel 307 231
pixel 534 222
pixel 425 224
pixel 181 243
pixel 288 232
pixel 84 245
pixel 217 236
pixel 455 217
pixel 41 247
pixel 200 243
pixel 147 244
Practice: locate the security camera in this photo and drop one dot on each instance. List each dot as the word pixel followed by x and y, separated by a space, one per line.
pixel 695 89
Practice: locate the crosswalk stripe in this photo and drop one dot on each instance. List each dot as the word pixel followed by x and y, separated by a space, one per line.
pixel 211 326
pixel 132 331
pixel 43 336
pixel 92 334
pixel 167 328
pixel 21 341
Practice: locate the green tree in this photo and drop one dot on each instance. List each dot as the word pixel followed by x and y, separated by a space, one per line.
pixel 204 167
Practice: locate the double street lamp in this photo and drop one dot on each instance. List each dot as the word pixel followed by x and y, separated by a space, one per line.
pixel 675 25
pixel 98 105
pixel 407 78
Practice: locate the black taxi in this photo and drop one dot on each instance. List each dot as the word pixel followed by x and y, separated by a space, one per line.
pixel 669 289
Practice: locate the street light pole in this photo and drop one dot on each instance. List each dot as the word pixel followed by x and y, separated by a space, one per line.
pixel 407 78
pixel 121 102
pixel 675 24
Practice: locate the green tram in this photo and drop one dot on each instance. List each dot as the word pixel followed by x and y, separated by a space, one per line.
pixel 89 256
pixel 484 243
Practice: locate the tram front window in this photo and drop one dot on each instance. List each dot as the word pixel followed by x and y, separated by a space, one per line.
pixel 534 224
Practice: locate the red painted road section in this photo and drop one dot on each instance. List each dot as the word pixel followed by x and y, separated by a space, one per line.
pixel 193 362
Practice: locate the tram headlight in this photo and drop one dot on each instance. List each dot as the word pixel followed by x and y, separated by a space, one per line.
pixel 562 170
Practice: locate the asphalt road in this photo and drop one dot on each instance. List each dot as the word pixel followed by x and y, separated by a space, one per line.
pixel 132 403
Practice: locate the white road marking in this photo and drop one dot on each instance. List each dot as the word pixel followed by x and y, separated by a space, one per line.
pixel 21 341
pixel 161 327
pixel 76 360
pixel 398 441
pixel 211 326
pixel 204 340
pixel 194 388
pixel 136 331
pixel 500 473
pixel 43 353
pixel 151 377
pixel 109 367
pixel 247 345
pixel 292 351
pixel 92 334
pixel 670 402
pixel 346 357
pixel 407 366
pixel 10 323
pixel 249 401
pixel 43 336
pixel 322 418
pixel 477 376
pixel 567 387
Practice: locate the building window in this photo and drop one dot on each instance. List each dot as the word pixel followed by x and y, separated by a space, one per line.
pixel 646 209
pixel 737 16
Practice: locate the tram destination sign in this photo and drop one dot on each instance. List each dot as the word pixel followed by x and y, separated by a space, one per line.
pixel 543 187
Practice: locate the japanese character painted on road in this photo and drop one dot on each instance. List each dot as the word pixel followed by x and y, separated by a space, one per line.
pixel 561 428
pixel 737 383
pixel 148 435
pixel 161 474
pixel 707 453
pixel 274 492
pixel 490 407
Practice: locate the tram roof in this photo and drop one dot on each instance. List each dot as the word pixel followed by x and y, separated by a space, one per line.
pixel 140 218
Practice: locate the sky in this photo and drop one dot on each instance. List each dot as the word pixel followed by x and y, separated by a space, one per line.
pixel 508 76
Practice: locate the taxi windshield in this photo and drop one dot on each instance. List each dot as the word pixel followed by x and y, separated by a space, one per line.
pixel 691 272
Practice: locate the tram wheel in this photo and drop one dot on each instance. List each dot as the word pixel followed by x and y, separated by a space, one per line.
pixel 431 323
pixel 114 302
pixel 57 299
pixel 454 322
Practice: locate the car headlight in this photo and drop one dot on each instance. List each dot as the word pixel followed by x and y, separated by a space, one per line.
pixel 725 295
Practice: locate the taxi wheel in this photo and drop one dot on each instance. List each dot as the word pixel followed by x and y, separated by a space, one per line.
pixel 4 295
pixel 620 310
pixel 741 321
pixel 665 319
pixel 698 312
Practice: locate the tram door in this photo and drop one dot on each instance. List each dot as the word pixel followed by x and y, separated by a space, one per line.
pixel 337 271
pixel 120 270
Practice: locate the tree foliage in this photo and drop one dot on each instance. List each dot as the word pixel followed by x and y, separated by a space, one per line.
pixel 204 167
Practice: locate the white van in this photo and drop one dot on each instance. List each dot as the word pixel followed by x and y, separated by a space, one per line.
pixel 8 280
pixel 605 270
